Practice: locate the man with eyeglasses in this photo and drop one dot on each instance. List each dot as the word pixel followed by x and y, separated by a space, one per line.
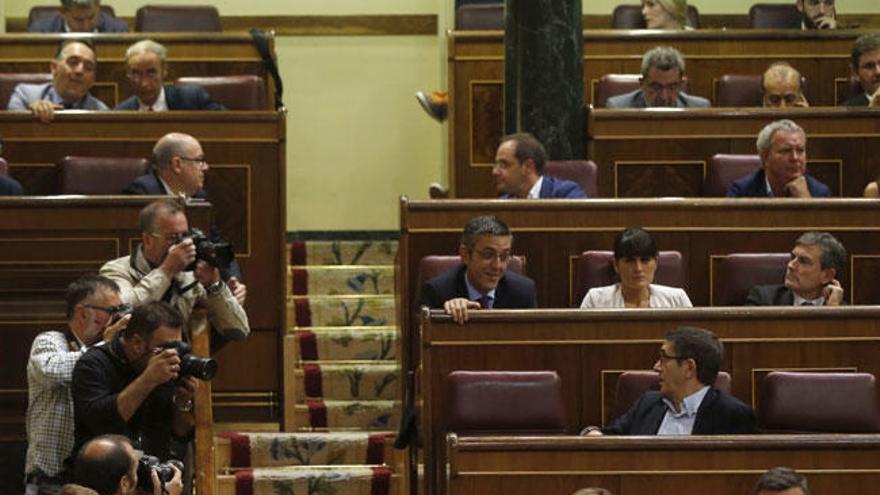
pixel 73 74
pixel 782 87
pixel 482 281
pixel 688 402
pixel 146 70
pixel 865 63
pixel 179 169
pixel 159 269
pixel 92 303
pixel 782 146
pixel 661 83
pixel 818 14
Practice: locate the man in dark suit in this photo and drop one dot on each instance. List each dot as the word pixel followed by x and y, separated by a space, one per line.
pixel 687 403
pixel 179 168
pixel 146 70
pixel 865 62
pixel 661 83
pixel 519 171
pixel 810 277
pixel 783 148
pixel 482 281
pixel 79 16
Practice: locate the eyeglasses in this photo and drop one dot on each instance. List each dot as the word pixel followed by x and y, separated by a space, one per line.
pixel 110 310
pixel 490 255
pixel 657 87
pixel 150 74
pixel 197 161
pixel 813 3
pixel 172 238
pixel 789 99
pixel 663 357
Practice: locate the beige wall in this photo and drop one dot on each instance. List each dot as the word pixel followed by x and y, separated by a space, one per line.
pixel 356 137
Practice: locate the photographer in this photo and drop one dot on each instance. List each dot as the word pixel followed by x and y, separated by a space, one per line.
pixel 161 269
pixel 134 386
pixel 109 465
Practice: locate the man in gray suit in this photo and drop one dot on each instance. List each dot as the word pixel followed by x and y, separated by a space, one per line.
pixel 73 74
pixel 661 83
pixel 78 16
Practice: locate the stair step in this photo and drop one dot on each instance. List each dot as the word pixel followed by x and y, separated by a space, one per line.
pixel 302 253
pixel 363 381
pixel 237 450
pixel 347 344
pixel 341 280
pixel 341 311
pixel 369 415
pixel 341 480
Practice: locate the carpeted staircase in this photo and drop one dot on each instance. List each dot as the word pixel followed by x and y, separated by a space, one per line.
pixel 342 382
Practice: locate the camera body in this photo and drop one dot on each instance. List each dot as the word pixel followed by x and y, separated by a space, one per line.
pixel 147 463
pixel 203 368
pixel 217 254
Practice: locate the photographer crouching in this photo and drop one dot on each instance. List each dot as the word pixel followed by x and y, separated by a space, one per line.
pixel 141 384
pixel 109 465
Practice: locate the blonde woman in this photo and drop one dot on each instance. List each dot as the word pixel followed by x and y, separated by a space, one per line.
pixel 665 14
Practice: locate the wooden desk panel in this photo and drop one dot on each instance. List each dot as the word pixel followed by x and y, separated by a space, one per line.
pixel 203 54
pixel 586 347
pixel 662 466
pixel 476 65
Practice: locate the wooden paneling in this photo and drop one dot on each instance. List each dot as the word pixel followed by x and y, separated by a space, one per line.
pixel 659 466
pixel 584 346
pixel 203 54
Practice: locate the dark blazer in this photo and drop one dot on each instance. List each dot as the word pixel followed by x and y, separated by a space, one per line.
pixel 514 291
pixel 553 188
pixel 755 186
pixel 636 99
pixel 860 100
pixel 186 97
pixel 719 414
pixel 770 295
pixel 55 24
pixel 150 184
pixel 10 186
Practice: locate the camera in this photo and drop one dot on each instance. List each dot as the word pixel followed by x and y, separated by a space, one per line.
pixel 147 463
pixel 217 254
pixel 200 367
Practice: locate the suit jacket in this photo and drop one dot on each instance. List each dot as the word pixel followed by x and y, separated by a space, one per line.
pixel 150 184
pixel 636 99
pixel 770 295
pixel 24 94
pixel 755 186
pixel 185 97
pixel 55 24
pixel 10 186
pixel 860 100
pixel 514 291
pixel 719 414
pixel 553 188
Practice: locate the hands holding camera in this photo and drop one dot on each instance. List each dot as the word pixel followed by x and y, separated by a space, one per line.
pixel 178 257
pixel 171 487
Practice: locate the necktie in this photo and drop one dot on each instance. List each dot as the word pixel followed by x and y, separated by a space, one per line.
pixel 807 303
pixel 485 302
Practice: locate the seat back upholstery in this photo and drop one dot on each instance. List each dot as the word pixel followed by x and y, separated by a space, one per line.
pixel 177 18
pixel 722 169
pixel 581 172
pixel 802 402
pixel 774 16
pixel 39 12
pixel 9 81
pixel 738 90
pixel 632 384
pixel 474 17
pixel 243 92
pixel 612 85
pixel 505 402
pixel 98 175
pixel 594 269
pixel 629 16
pixel 739 272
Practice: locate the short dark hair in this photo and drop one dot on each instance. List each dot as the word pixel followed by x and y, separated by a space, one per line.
pixel 149 215
pixel 833 252
pixel 700 345
pixel 146 318
pixel 864 44
pixel 634 242
pixel 85 286
pixel 478 226
pixel 782 478
pixel 89 43
pixel 528 148
pixel 103 472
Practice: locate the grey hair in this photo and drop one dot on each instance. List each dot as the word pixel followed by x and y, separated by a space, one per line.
pixel 145 46
pixel 662 58
pixel 168 146
pixel 80 4
pixel 766 134
pixel 833 252
pixel 483 225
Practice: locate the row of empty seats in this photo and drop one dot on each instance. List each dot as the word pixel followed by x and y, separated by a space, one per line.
pixel 155 18
pixel 530 402
pixel 473 17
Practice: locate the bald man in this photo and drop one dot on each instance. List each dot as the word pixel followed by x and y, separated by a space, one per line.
pixel 109 464
pixel 782 87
